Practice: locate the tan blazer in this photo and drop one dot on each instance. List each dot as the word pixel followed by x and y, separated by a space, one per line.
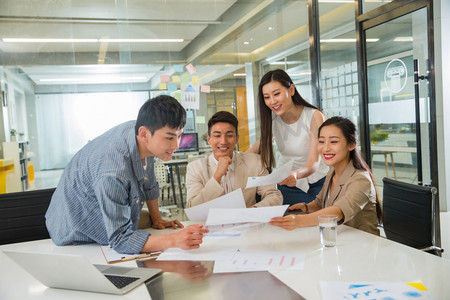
pixel 355 195
pixel 202 187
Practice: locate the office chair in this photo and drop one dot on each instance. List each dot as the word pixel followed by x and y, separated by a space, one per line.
pixel 411 216
pixel 22 216
pixel 164 185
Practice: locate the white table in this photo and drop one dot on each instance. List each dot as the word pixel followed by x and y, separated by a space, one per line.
pixel 358 256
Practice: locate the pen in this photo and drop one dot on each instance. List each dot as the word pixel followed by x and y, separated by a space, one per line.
pixel 142 256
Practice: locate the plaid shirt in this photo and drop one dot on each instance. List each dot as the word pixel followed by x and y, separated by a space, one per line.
pixel 101 193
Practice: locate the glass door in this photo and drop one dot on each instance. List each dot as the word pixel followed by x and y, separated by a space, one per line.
pixel 398 98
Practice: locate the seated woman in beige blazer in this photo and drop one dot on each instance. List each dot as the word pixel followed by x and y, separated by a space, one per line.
pixel 349 190
pixel 225 170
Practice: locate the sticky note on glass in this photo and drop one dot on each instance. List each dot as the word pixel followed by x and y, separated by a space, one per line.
pixel 191 69
pixel 178 68
pixel 186 78
pixel 172 87
pixel 162 86
pixel 164 78
pixel 195 80
pixel 177 95
pixel 176 79
pixel 205 88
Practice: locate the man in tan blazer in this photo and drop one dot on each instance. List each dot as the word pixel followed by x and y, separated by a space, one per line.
pixel 225 170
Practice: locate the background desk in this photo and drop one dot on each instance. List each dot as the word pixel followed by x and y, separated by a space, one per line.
pixel 387 150
pixel 358 256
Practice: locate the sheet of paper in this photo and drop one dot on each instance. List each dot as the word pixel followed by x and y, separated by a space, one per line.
pixel 373 290
pixel 191 69
pixel 205 88
pixel 178 68
pixel 260 261
pixel 219 216
pixel 210 250
pixel 235 199
pixel 226 230
pixel 185 78
pixel 172 87
pixel 175 79
pixel 276 176
pixel 164 78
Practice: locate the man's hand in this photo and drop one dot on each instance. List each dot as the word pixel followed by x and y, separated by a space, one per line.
pixel 162 224
pixel 222 167
pixel 189 238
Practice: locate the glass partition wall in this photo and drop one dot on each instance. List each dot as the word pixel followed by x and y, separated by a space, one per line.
pixel 71 70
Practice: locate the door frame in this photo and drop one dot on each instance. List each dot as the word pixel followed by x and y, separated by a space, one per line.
pixel 380 15
pixel 374 18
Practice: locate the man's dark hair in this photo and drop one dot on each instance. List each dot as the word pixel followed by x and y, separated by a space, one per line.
pixel 159 112
pixel 223 116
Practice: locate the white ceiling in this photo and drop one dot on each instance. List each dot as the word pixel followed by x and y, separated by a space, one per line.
pixel 97 19
pixel 219 36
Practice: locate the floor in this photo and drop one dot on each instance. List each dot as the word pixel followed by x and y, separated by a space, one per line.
pixel 48 179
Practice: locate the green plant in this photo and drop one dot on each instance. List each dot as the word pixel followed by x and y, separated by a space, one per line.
pixel 12 132
pixel 378 136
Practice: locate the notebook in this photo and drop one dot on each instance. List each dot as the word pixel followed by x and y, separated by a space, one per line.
pixel 76 272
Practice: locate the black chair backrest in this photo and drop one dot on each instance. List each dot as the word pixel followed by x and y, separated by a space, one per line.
pixel 408 213
pixel 22 216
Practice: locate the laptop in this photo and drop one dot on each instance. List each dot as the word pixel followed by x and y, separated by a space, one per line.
pixel 76 272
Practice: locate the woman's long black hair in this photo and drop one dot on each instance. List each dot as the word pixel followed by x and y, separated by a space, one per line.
pixel 349 131
pixel 265 114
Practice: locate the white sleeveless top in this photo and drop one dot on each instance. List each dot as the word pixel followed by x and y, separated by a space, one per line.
pixel 293 142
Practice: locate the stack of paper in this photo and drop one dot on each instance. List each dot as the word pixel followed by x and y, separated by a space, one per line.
pixel 235 199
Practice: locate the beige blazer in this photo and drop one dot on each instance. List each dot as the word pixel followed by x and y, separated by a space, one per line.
pixel 355 195
pixel 202 187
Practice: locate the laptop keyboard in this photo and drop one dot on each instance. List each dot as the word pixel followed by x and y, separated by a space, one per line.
pixel 121 281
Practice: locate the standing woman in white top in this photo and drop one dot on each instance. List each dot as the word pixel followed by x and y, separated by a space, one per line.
pixel 293 123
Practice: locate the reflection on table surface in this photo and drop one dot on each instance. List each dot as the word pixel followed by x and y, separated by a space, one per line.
pixel 195 280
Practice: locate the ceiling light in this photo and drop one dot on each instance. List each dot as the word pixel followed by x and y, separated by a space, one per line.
pixel 346 40
pixel 141 40
pixel 246 43
pixel 271 28
pixel 239 74
pixel 97 79
pixel 26 40
pixel 403 39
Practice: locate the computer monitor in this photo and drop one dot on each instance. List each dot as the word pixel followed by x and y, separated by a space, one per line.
pixel 188 142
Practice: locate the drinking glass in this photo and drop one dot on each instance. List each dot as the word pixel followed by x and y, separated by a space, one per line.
pixel 328 230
